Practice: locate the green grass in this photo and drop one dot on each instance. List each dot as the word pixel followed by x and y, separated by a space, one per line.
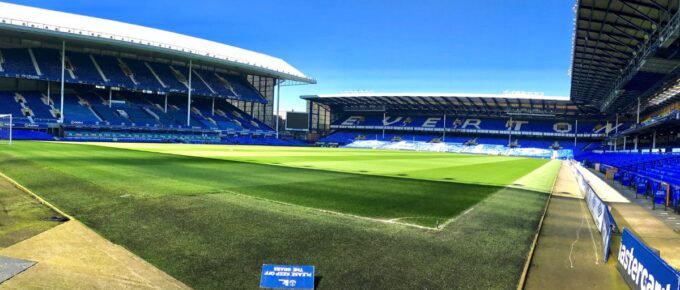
pixel 462 168
pixel 21 216
pixel 211 222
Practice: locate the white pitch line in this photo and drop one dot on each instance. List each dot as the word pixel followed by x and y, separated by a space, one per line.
pixel 446 223
pixel 578 235
pixel 592 237
pixel 387 221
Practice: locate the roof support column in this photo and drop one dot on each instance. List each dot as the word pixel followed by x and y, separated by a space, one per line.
pixel 635 143
pixel 444 132
pixel 616 141
pixel 575 132
pixel 213 107
pixel 278 103
pixel 638 112
pixel 48 93
pixel 110 97
pixel 510 132
pixel 384 117
pixel 654 141
pixel 165 108
pixel 616 128
pixel 624 143
pixel 189 97
pixel 63 69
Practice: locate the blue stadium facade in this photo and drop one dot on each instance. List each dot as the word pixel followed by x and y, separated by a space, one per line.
pixel 520 124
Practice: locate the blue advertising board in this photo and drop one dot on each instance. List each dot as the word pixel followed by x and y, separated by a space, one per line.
pixel 599 210
pixel 287 277
pixel 642 268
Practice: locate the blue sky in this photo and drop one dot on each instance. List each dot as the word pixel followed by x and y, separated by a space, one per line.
pixel 481 46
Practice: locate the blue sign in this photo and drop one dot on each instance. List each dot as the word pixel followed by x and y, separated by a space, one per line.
pixel 287 277
pixel 642 268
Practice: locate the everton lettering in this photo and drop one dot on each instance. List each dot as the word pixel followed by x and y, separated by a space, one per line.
pixel 562 127
pixel 486 125
pixel 431 122
pixel 352 121
pixel 515 125
pixel 472 123
pixel 388 122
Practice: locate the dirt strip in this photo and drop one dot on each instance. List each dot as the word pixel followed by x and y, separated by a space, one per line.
pixel 569 252
pixel 71 256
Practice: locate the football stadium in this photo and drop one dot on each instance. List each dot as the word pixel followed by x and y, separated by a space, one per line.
pixel 133 157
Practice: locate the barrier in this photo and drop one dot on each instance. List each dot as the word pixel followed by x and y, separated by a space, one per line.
pixel 642 268
pixel 488 149
pixel 598 210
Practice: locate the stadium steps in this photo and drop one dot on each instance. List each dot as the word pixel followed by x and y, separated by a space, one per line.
pixel 179 76
pixel 25 110
pixel 155 75
pixel 99 69
pixel 35 62
pixel 127 71
pixel 204 82
pixel 226 84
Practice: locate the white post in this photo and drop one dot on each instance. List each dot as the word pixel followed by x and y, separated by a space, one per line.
pixel 165 108
pixel 616 144
pixel 278 104
pixel 213 107
pixel 384 117
pixel 616 129
pixel 607 128
pixel 189 97
pixel 638 112
pixel 624 143
pixel 110 97
pixel 444 132
pixel 63 69
pixel 11 125
pixel 510 132
pixel 49 99
pixel 575 132
pixel 654 141
pixel 635 143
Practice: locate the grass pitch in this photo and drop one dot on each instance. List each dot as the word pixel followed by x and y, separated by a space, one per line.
pixel 21 216
pixel 211 215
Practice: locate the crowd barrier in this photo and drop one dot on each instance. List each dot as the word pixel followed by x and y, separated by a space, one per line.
pixel 488 149
pixel 599 210
pixel 640 266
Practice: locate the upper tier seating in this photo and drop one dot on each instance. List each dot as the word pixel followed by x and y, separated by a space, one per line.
pixel 123 72
pixel 84 68
pixel 113 72
pixel 17 63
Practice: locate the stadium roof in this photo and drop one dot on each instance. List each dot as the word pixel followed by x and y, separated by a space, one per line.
pixel 623 50
pixel 69 26
pixel 479 104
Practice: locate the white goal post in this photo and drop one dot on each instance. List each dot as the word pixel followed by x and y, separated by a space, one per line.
pixel 6 124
